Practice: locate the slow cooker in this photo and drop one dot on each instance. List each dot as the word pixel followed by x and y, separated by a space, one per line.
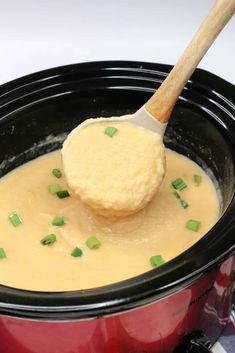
pixel 181 306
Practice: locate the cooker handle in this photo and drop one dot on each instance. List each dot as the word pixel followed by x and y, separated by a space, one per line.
pixel 197 347
pixel 195 342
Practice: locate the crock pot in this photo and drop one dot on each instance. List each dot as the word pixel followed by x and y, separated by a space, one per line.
pixel 182 306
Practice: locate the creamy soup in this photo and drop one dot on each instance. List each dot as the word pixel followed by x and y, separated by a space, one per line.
pixel 104 250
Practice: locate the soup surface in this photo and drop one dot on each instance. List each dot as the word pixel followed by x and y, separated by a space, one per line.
pixel 125 244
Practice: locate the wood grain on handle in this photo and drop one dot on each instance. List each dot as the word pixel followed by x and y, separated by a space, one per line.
pixel 160 105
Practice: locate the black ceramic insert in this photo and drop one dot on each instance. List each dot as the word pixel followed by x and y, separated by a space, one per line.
pixel 36 113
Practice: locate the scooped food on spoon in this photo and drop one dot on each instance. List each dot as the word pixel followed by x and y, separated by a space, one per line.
pixel 114 167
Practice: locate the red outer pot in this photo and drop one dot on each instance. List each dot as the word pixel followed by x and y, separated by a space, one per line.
pixel 154 328
pixel 179 307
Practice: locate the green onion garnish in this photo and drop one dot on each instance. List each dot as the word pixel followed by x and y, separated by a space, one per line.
pixel 179 184
pixel 110 131
pixel 193 225
pixel 197 179
pixel 176 194
pixel 54 188
pixel 57 172
pixel 183 203
pixel 49 239
pixel 2 254
pixel 93 243
pixel 62 194
pixel 58 221
pixel 77 252
pixel 15 219
pixel 156 260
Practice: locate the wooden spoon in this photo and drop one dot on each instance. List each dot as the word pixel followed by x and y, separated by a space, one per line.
pixel 156 112
pixel 161 104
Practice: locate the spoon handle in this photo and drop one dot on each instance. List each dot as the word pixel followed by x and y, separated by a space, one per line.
pixel 160 105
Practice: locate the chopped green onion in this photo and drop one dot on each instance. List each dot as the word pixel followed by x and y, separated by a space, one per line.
pixel 110 131
pixel 193 225
pixel 54 188
pixel 183 203
pixel 197 179
pixel 49 239
pixel 57 172
pixel 176 194
pixel 15 219
pixel 93 243
pixel 62 194
pixel 77 252
pixel 156 260
pixel 2 254
pixel 58 221
pixel 179 184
